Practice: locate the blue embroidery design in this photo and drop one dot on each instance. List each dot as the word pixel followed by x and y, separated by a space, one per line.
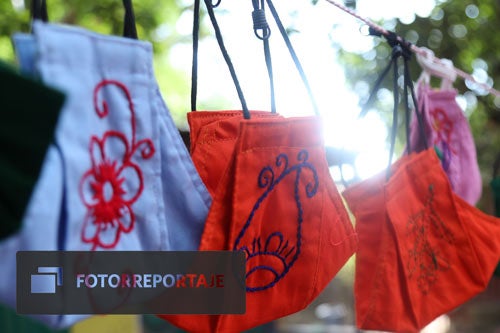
pixel 282 257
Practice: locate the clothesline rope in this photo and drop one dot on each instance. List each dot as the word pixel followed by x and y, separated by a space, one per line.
pixel 414 48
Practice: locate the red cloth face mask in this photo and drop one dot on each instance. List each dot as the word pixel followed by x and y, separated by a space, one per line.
pixel 213 136
pixel 428 249
pixel 277 202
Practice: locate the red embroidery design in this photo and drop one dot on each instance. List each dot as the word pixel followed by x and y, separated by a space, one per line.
pixel 426 231
pixel 114 182
pixel 443 127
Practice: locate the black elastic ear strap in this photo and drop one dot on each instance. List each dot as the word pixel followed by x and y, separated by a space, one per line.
pixel 129 28
pixel 293 55
pixel 396 53
pixel 38 10
pixel 392 42
pixel 375 89
pixel 407 113
pixel 194 64
pixel 225 54
pixel 418 112
pixel 194 75
pixel 399 49
pixel 263 32
pixel 391 39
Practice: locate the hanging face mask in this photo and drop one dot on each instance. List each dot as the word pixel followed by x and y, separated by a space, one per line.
pixel 425 241
pixel 443 241
pixel 276 202
pixel 418 240
pixel 119 176
pixel 448 130
pixel 113 164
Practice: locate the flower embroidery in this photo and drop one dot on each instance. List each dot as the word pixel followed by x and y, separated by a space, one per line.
pixel 443 127
pixel 114 182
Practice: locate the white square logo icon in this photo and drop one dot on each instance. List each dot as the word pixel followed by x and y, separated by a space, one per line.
pixel 46 281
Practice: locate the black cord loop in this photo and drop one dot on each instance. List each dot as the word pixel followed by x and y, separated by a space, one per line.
pixel 129 27
pixel 259 20
pixel 194 63
pixel 400 49
pixel 294 56
pixel 38 10
pixel 263 32
pixel 218 35
pixel 214 5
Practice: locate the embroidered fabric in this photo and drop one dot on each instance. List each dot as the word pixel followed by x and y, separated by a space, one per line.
pixel 447 129
pixel 117 170
pixel 277 202
pixel 433 251
pixel 118 176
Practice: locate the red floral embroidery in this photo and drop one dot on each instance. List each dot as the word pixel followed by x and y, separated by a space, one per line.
pixel 443 127
pixel 114 182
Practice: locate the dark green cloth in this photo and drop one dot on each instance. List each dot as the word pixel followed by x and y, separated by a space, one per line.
pixel 10 322
pixel 28 116
pixel 495 187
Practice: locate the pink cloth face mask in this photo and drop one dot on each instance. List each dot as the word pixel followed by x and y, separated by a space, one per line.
pixel 447 129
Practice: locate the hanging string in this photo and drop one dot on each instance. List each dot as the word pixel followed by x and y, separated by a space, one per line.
pixel 414 48
pixel 294 56
pixel 129 28
pixel 408 82
pixel 396 52
pixel 220 41
pixel 38 10
pixel 194 63
pixel 400 49
pixel 218 35
pixel 263 32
